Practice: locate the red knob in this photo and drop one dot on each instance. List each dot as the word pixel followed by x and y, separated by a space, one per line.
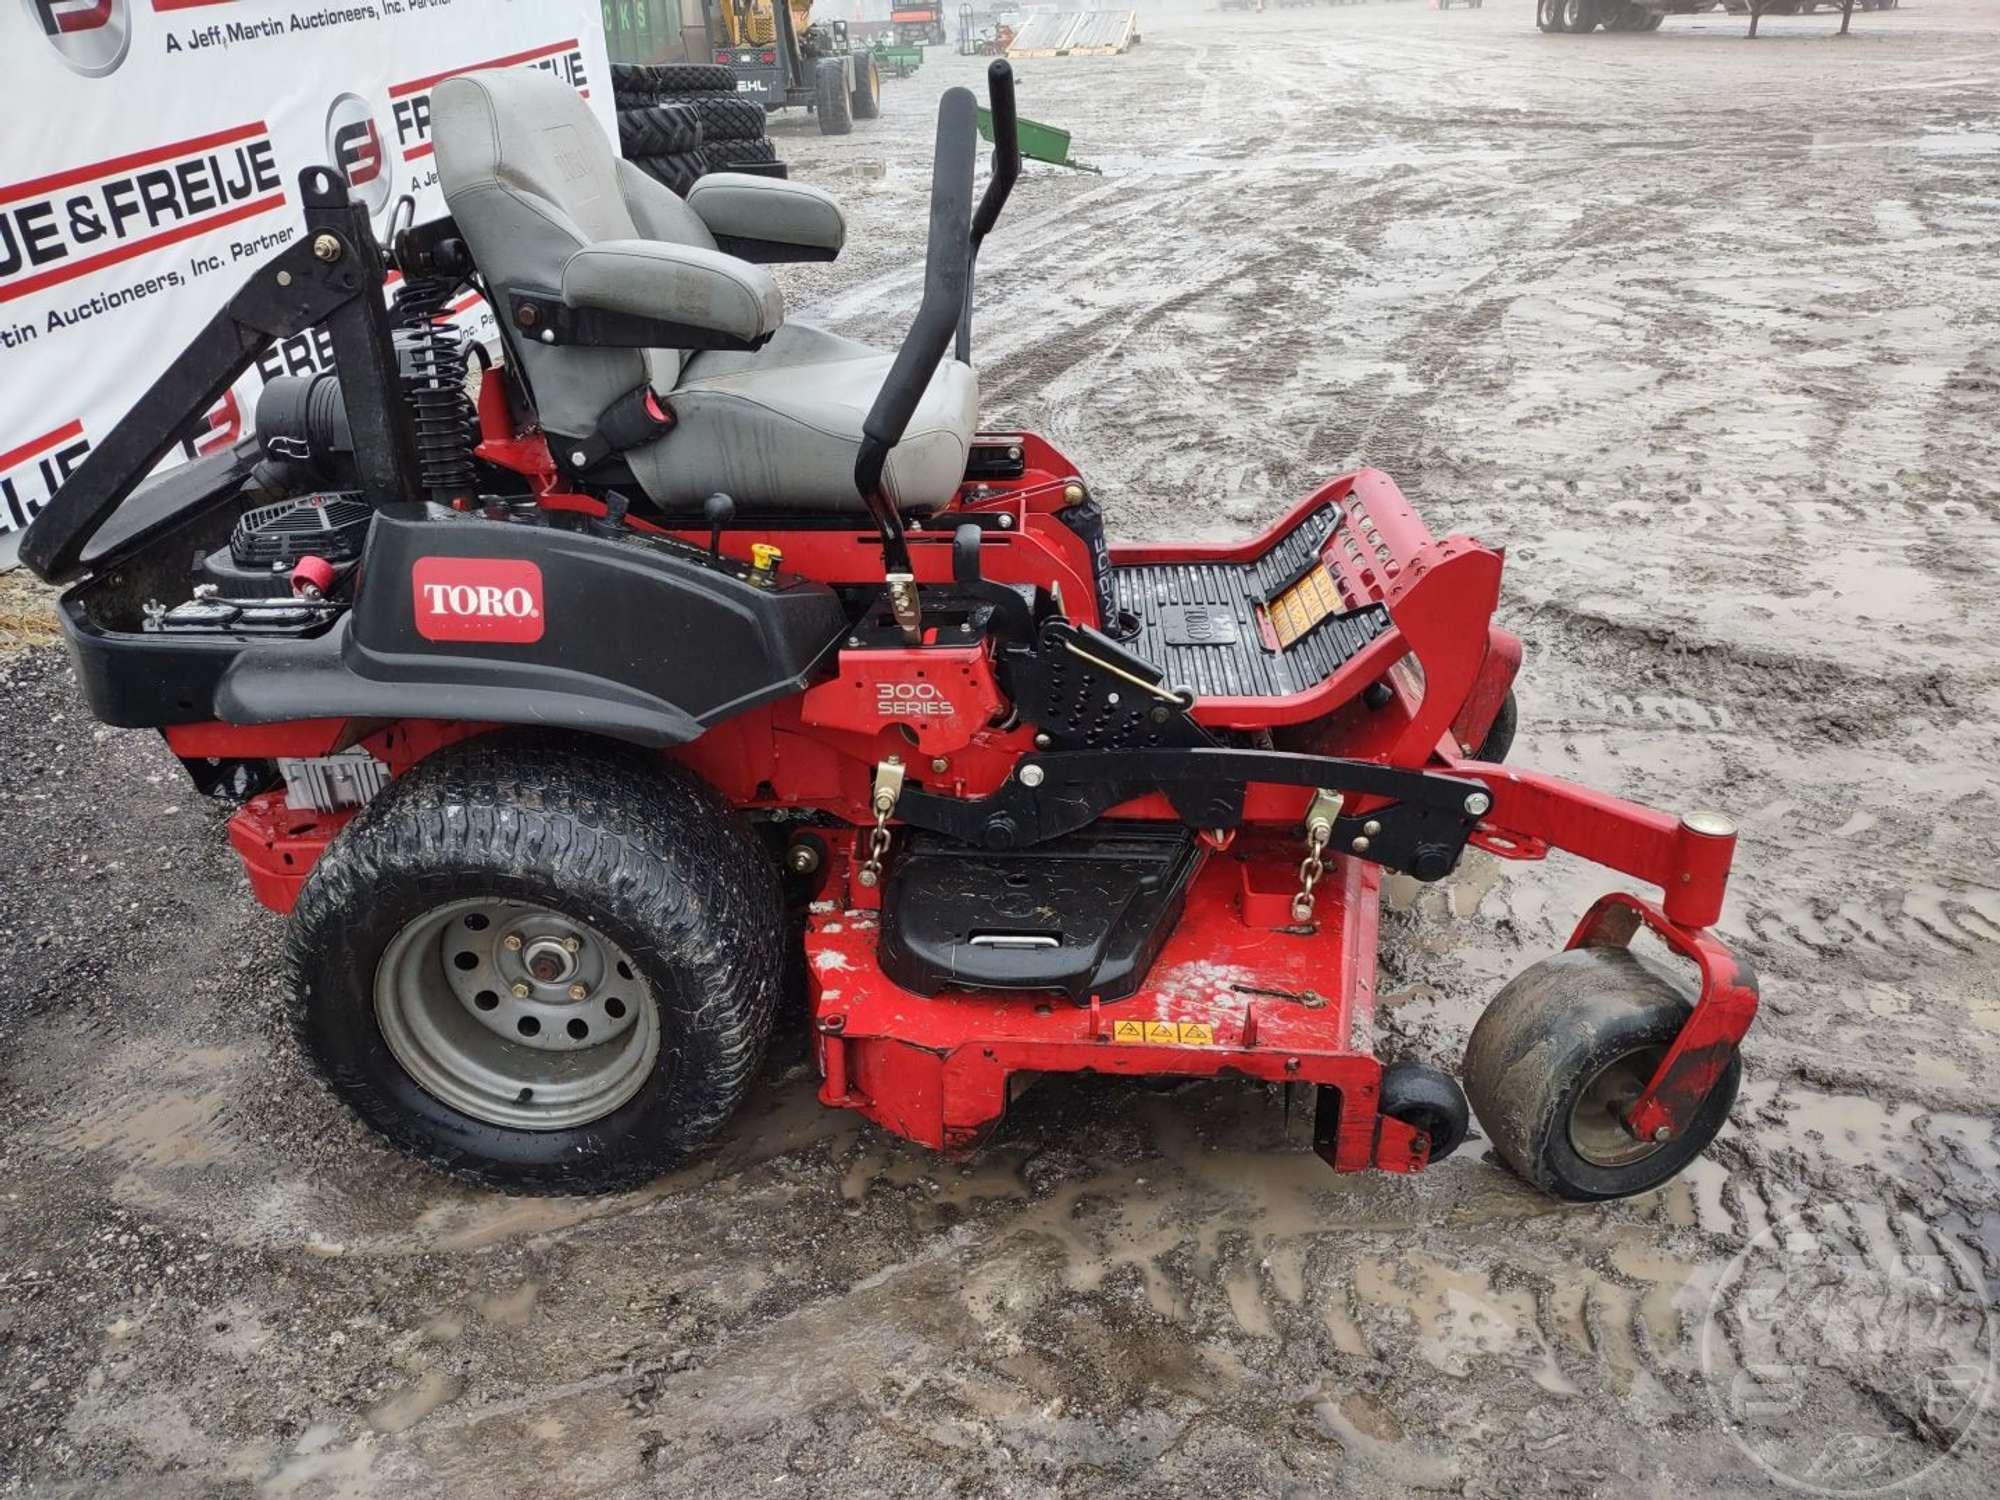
pixel 312 576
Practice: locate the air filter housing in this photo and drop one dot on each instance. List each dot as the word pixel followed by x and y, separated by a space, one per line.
pixel 331 525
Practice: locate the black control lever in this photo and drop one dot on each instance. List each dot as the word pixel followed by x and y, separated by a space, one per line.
pixel 945 267
pixel 1006 171
pixel 718 510
pixel 1013 620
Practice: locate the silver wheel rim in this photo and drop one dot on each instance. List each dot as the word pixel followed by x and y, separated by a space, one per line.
pixel 1597 1130
pixel 516 1015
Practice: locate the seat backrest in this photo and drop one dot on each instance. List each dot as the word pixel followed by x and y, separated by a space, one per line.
pixel 530 178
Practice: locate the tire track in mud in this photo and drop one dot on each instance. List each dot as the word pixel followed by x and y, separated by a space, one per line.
pixel 1805 822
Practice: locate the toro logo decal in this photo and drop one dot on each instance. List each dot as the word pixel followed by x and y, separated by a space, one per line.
pixel 90 36
pixel 487 599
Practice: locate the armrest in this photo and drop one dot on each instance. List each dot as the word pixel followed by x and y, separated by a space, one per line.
pixel 768 219
pixel 675 284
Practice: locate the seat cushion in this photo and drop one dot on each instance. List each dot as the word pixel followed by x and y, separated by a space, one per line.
pixel 780 429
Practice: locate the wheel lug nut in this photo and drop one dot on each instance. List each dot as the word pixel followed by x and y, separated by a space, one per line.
pixel 572 943
pixel 511 942
pixel 578 991
pixel 521 991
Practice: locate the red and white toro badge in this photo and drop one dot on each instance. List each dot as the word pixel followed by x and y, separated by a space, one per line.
pixel 488 599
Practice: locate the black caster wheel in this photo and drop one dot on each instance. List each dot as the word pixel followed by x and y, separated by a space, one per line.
pixel 1499 739
pixel 1560 1055
pixel 1427 1099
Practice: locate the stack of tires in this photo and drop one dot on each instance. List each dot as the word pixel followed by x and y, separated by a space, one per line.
pixel 677 121
pixel 1580 16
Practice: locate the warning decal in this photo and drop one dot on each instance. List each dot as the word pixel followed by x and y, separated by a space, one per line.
pixel 1299 608
pixel 1165 1033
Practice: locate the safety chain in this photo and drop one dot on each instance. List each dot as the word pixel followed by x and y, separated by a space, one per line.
pixel 888 788
pixel 1320 818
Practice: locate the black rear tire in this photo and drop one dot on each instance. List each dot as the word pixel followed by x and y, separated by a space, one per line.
pixel 867 96
pixel 1552 1048
pixel 678 172
pixel 690 78
pixel 830 99
pixel 727 156
pixel 1499 741
pixel 726 118
pixel 658 130
pixel 627 845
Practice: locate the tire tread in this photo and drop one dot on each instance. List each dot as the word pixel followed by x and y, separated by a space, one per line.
pixel 640 834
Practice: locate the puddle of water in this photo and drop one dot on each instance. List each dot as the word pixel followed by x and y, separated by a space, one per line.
pixel 1246 1305
pixel 510 1309
pixel 1357 1422
pixel 313 1467
pixel 1346 1333
pixel 787 1119
pixel 178 1121
pixel 1959 143
pixel 405 1408
pixel 1458 1315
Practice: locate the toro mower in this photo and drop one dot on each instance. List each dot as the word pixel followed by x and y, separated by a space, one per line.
pixel 579 706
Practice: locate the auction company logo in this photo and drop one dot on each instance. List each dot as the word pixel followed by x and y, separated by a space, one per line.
pixel 354 146
pixel 1849 1350
pixel 90 36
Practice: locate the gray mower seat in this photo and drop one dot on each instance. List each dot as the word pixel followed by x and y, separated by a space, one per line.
pixel 544 204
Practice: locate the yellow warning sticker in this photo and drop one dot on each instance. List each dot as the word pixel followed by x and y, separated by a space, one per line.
pixel 1165 1033
pixel 1303 605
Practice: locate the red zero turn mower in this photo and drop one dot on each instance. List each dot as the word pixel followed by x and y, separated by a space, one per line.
pixel 555 716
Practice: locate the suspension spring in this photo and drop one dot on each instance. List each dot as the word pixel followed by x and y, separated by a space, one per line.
pixel 433 359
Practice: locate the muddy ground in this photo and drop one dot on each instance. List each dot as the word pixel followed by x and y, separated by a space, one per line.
pixel 1707 333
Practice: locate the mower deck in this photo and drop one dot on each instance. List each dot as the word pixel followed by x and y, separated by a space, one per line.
pixel 1237 989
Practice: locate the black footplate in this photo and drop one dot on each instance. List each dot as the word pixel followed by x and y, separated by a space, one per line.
pixel 1261 629
pixel 1085 914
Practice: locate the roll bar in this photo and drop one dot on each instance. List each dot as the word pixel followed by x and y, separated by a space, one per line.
pixel 329 277
pixel 955 233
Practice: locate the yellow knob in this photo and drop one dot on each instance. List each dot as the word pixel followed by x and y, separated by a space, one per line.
pixel 764 557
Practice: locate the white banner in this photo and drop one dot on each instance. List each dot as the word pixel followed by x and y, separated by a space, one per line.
pixel 153 156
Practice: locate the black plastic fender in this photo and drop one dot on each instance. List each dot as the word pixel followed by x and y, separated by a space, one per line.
pixel 458 617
